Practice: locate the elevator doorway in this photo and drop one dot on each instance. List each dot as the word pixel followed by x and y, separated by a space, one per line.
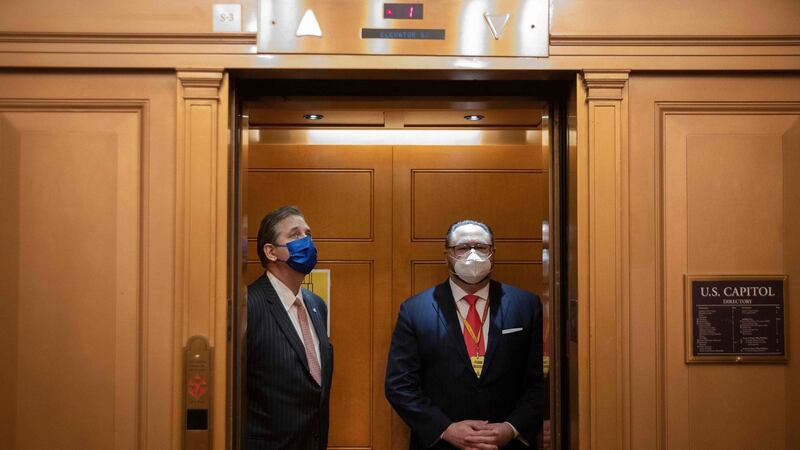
pixel 380 178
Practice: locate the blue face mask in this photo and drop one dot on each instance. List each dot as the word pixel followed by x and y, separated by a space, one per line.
pixel 302 255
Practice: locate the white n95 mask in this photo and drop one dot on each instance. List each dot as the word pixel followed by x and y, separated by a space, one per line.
pixel 474 268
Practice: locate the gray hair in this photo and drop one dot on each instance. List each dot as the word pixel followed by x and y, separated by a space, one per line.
pixel 461 223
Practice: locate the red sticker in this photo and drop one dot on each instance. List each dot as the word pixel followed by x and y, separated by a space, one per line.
pixel 197 387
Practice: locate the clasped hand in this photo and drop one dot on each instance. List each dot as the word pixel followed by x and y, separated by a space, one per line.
pixel 478 435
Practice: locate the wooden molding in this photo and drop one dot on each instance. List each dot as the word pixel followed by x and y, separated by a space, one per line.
pixel 688 108
pixel 128 38
pixel 60 104
pixel 689 40
pixel 605 84
pixel 603 212
pixel 169 56
pixel 238 50
pixel 556 40
pixel 200 84
pixel 201 225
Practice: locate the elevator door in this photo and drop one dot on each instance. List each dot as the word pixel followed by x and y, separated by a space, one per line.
pixel 379 214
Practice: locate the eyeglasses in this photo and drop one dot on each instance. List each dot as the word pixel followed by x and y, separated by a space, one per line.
pixel 461 251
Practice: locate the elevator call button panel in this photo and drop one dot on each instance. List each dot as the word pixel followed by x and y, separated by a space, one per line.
pixel 433 28
pixel 197 394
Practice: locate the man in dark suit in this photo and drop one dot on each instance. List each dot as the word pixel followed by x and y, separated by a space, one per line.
pixel 289 359
pixel 465 364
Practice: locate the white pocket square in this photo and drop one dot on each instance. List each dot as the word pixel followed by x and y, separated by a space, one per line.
pixel 511 330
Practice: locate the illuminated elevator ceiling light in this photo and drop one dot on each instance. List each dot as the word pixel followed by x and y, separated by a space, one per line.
pixel 313 116
pixel 473 117
pixel 397 137
pixel 382 136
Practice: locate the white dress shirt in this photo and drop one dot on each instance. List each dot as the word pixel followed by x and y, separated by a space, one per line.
pixel 287 298
pixel 480 305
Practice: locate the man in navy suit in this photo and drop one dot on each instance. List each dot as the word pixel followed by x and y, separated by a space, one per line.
pixel 289 358
pixel 465 364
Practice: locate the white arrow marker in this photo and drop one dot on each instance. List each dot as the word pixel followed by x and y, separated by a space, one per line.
pixel 497 23
pixel 309 25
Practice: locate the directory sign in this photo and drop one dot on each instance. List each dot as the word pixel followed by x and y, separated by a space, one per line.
pixel 736 318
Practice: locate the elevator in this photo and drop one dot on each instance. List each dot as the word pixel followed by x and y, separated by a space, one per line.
pixel 381 168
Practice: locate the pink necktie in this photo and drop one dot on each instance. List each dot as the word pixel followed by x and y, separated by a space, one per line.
pixel 308 341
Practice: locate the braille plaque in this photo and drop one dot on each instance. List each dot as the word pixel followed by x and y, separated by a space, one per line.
pixel 736 318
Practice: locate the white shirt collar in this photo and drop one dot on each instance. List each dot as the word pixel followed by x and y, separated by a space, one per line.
pixel 458 293
pixel 284 293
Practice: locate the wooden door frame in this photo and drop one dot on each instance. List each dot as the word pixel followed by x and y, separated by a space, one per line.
pixel 604 398
pixel 201 238
pixel 553 164
pixel 603 263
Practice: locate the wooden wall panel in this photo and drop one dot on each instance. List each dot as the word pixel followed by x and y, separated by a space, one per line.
pixel 82 298
pixel 117 16
pixel 734 204
pixel 318 191
pixel 726 197
pixel 675 18
pixel 522 274
pixel 84 176
pixel 426 274
pixel 442 197
pixel 712 195
pixel 77 297
pixel 791 264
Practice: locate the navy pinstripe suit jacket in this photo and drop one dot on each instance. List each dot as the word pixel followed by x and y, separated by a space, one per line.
pixel 286 409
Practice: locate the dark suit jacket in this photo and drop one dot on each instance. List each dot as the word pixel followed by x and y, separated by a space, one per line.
pixel 430 381
pixel 286 409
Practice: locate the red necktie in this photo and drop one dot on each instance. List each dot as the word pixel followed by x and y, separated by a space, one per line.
pixel 473 339
pixel 308 341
